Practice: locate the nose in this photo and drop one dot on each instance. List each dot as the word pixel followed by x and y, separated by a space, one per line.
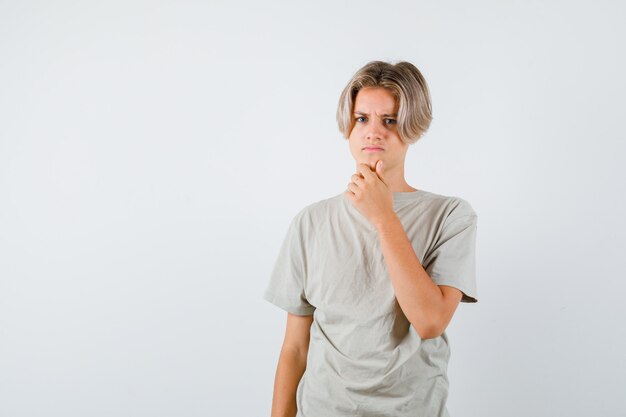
pixel 375 131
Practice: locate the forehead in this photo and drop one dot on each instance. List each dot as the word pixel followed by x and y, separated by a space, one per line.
pixel 376 99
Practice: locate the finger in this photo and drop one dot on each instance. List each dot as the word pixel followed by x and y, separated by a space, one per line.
pixel 366 171
pixel 349 195
pixel 352 187
pixel 357 178
pixel 380 171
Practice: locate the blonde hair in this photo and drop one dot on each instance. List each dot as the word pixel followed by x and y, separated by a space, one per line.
pixel 405 82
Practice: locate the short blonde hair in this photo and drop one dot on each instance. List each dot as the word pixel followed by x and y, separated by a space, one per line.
pixel 405 82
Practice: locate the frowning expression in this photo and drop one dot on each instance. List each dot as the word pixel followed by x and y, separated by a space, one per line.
pixel 375 135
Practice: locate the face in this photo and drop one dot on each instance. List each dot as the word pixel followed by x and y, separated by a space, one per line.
pixel 375 135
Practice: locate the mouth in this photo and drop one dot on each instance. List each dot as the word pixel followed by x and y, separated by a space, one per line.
pixel 373 149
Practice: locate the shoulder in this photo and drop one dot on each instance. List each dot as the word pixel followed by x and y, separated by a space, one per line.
pixel 318 211
pixel 449 207
pixel 321 207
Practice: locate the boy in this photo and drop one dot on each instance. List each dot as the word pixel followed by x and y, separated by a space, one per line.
pixel 371 277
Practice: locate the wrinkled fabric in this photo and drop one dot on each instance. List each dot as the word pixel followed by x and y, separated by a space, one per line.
pixel 365 359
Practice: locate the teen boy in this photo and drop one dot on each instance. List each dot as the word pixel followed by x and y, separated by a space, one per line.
pixel 371 277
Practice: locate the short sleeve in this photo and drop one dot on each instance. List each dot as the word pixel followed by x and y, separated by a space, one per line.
pixel 452 259
pixel 287 280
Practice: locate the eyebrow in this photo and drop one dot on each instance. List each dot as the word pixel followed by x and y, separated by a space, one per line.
pixel 384 115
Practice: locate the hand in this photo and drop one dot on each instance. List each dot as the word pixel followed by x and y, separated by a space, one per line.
pixel 370 194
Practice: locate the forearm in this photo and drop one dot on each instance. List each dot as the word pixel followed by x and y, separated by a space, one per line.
pixel 419 297
pixel 291 367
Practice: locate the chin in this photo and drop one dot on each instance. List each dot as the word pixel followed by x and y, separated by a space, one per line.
pixel 371 161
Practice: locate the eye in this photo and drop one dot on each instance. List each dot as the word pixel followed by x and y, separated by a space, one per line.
pixel 358 119
pixel 390 121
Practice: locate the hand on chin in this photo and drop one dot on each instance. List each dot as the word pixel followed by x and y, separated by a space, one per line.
pixel 371 161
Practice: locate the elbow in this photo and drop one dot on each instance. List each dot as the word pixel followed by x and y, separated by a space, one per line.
pixel 428 330
pixel 429 334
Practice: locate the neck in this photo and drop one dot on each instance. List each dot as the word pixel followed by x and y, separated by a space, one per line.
pixel 402 188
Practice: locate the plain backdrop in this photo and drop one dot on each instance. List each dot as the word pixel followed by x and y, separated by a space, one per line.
pixel 152 155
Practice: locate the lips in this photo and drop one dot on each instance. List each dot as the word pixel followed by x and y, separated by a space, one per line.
pixel 372 148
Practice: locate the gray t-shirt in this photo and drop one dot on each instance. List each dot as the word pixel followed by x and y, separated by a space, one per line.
pixel 365 359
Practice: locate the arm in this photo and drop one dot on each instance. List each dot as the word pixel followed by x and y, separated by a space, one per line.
pixel 291 365
pixel 427 306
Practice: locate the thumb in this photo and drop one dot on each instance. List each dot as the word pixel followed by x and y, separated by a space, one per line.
pixel 379 169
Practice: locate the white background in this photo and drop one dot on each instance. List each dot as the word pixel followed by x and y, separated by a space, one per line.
pixel 153 153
